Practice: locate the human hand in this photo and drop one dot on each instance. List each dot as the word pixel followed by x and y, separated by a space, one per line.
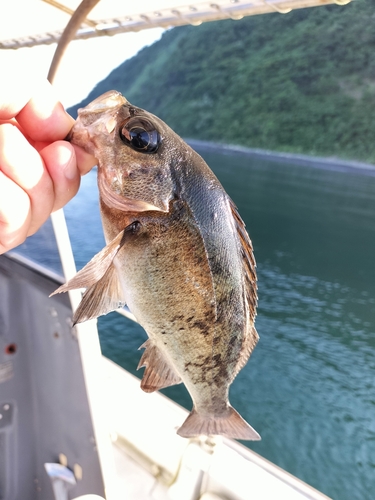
pixel 39 171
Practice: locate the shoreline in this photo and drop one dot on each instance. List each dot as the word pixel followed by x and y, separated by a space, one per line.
pixel 296 159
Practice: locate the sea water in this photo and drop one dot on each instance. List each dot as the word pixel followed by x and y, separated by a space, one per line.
pixel 309 387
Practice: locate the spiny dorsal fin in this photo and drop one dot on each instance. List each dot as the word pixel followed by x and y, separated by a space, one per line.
pixel 96 268
pixel 158 373
pixel 249 267
pixel 249 264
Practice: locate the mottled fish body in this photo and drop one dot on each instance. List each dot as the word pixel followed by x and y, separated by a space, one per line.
pixel 177 254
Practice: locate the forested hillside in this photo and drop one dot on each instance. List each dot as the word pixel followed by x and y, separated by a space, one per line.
pixel 302 82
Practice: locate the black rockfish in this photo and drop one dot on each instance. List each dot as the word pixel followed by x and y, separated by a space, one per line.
pixel 177 254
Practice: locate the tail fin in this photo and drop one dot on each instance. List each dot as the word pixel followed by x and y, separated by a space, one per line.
pixel 231 425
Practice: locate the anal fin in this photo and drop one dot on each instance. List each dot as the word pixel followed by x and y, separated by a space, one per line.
pixel 158 373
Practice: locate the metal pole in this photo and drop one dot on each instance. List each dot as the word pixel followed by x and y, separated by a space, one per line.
pixel 69 32
pixel 87 333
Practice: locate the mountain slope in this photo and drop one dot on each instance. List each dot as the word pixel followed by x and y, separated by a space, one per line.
pixel 301 82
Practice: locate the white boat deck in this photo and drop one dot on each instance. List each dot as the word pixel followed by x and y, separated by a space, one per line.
pixel 70 405
pixel 173 468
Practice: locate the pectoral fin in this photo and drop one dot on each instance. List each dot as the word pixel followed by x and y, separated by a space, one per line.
pixel 96 268
pixel 99 276
pixel 103 297
pixel 158 373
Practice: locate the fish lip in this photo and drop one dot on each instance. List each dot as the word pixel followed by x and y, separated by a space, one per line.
pixel 79 136
pixel 70 135
pixel 108 101
pixel 118 202
pixel 94 119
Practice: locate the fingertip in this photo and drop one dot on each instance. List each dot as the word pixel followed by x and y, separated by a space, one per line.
pixel 85 161
pixel 14 95
pixel 60 160
pixel 68 160
pixel 44 118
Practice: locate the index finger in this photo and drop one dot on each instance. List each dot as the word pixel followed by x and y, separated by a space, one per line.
pixel 43 118
pixel 13 97
pixel 36 108
pixel 40 115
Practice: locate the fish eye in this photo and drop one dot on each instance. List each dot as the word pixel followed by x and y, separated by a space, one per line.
pixel 141 135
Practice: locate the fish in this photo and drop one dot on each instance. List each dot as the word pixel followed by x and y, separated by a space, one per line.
pixel 177 254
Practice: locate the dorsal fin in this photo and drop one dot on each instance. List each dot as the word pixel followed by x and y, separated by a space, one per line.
pixel 248 259
pixel 249 268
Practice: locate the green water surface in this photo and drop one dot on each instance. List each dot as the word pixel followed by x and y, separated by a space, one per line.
pixel 309 387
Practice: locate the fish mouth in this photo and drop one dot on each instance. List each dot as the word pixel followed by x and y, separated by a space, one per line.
pixel 98 117
pixel 108 101
pixel 124 203
pixel 70 135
